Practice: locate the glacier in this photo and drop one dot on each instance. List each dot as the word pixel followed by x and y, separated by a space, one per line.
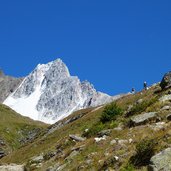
pixel 49 93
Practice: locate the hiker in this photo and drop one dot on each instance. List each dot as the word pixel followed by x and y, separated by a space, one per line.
pixel 145 85
pixel 133 91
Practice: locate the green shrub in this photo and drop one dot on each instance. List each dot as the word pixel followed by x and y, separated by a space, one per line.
pixel 145 149
pixel 138 108
pixel 129 167
pixel 110 112
pixel 113 124
pixel 94 129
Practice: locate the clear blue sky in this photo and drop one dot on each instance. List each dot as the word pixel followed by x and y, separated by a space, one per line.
pixel 116 45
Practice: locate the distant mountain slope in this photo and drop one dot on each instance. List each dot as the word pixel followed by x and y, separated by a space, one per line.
pixel 7 85
pixel 16 130
pixel 49 93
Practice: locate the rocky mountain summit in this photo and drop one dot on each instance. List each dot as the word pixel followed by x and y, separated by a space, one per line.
pixel 49 93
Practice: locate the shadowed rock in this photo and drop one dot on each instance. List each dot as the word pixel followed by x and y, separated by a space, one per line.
pixel 166 81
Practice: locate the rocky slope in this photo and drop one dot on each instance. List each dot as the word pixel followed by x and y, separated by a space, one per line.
pixel 136 138
pixel 16 130
pixel 7 85
pixel 49 93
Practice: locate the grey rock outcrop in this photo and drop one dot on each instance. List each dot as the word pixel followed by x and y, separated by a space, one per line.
pixel 7 85
pixel 166 81
pixel 76 138
pixel 161 161
pixel 37 159
pixel 143 118
pixel 12 167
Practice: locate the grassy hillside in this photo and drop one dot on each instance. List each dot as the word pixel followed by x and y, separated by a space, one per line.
pixel 121 146
pixel 16 129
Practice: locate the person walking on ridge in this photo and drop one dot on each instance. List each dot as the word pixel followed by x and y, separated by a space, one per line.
pixel 133 90
pixel 145 85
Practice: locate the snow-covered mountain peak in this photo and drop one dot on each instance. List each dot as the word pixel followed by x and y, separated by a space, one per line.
pixel 49 93
pixel 56 67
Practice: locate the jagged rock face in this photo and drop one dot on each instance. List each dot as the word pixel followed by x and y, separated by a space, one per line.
pixel 166 81
pixel 7 85
pixel 49 93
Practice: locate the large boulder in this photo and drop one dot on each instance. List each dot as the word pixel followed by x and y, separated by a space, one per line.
pixel 12 167
pixel 166 81
pixel 161 161
pixel 76 138
pixel 143 118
